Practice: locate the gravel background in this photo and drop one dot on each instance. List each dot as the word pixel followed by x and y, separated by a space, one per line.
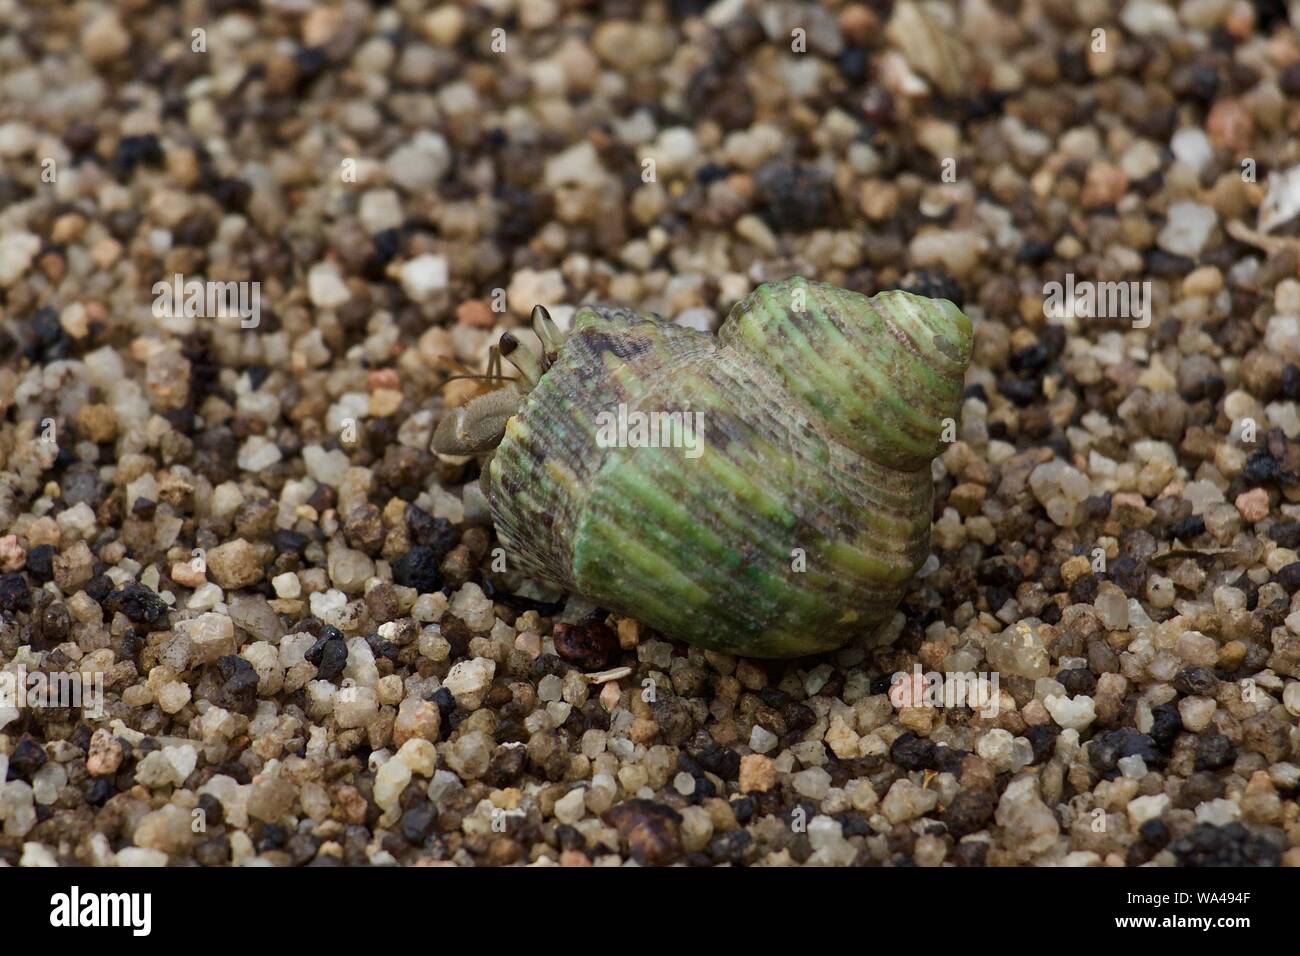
pixel 291 600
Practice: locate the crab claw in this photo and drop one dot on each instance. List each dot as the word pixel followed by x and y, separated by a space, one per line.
pixel 479 425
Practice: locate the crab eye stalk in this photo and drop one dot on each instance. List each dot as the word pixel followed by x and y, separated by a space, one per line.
pixel 548 333
pixel 522 358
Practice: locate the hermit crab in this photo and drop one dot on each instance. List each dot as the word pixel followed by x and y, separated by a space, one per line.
pixel 764 492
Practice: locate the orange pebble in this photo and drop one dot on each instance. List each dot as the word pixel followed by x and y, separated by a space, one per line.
pixel 383 378
pixel 476 313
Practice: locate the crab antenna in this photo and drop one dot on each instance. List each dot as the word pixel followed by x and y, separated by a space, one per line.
pixel 493 373
pixel 522 358
pixel 548 333
pixel 480 378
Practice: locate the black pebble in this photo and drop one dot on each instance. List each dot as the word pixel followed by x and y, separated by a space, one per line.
pixel 798 716
pixel 310 62
pixel 997 597
pixel 1291 375
pixel 99 587
pixel 1289 577
pixel 722 761
pixel 329 654
pixel 569 838
pixel 1020 391
pixel 710 173
pixel 123 224
pixel 257 375
pixel 1077 680
pixel 1034 253
pixel 794 198
pixel 1130 574
pixel 743 809
pixel 388 244
pixel 1286 534
pixel 135 150
pixel 439 534
pixel 239 684
pixel 1191 527
pixel 213 812
pixel 80 137
pixel 1084 590
pixel 1073 66
pixel 853 823
pixel 547 664
pixel 912 752
pixel 1164 265
pixel 418 569
pixel 853 63
pixel 506 766
pixel 1196 680
pixel 272 837
pixel 46 339
pixel 1231 845
pixel 1201 83
pixel 523 213
pixel 97 790
pixel 1042 738
pixel 948 760
pixel 971 854
pixel 1155 833
pixel 1105 752
pixel 27 758
pixel 1214 751
pixel 417 823
pixel 1261 468
pixel 213 852
pixel 1166 725
pixel 970 811
pixel 730 847
pixel 232 194
pixel 289 542
pixel 445 702
pixel 15 594
pixel 1032 358
pixel 934 284
pixel 1268 14
pixel 139 604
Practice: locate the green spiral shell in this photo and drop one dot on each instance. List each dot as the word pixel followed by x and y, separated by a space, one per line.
pixel 808 508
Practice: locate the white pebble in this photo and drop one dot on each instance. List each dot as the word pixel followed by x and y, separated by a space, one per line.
pixel 1076 713
pixel 325 287
pixel 1191 147
pixel 258 454
pixel 1187 228
pixel 423 277
pixel 287 585
pixel 761 740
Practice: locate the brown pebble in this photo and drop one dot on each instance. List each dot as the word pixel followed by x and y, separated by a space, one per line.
pixel 1229 124
pixel 649 831
pixel 590 645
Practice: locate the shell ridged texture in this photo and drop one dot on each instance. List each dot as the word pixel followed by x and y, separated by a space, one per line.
pixel 881 374
pixel 704 549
